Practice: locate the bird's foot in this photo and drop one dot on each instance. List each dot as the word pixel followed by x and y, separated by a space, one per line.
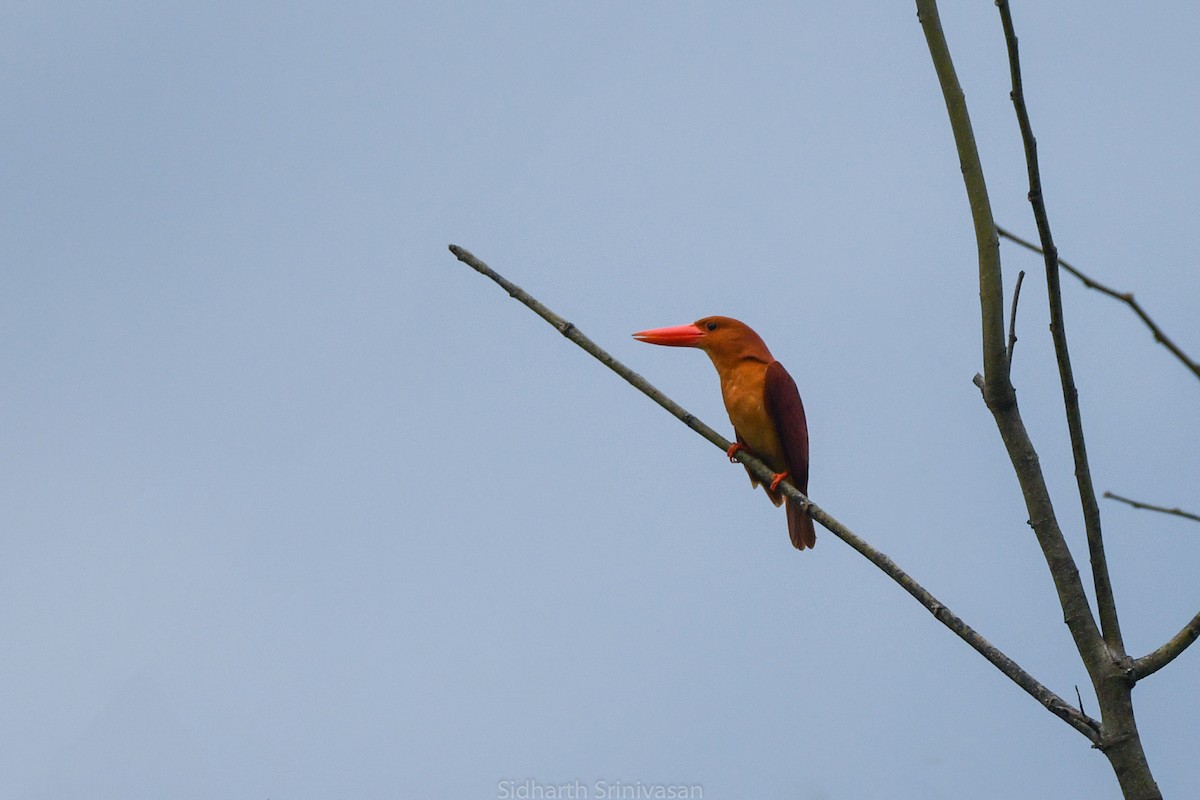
pixel 778 479
pixel 733 448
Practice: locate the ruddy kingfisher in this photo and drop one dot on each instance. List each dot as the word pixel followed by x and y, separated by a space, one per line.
pixel 763 404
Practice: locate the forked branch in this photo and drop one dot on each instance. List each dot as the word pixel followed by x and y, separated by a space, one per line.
pixel 1055 704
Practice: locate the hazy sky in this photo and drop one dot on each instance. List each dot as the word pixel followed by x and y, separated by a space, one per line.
pixel 297 506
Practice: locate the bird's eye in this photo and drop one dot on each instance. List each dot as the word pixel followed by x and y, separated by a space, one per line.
pixel 712 326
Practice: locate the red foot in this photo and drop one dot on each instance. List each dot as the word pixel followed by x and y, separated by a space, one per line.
pixel 779 476
pixel 733 448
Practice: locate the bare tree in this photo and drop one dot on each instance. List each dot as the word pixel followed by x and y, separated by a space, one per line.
pixel 1097 637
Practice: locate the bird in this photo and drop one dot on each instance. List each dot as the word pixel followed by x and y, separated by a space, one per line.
pixel 763 403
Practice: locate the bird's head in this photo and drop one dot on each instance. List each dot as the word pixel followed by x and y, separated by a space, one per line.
pixel 724 339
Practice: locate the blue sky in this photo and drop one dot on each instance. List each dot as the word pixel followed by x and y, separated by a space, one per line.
pixel 297 506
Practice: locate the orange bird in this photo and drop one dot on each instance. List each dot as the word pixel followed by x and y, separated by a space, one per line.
pixel 763 404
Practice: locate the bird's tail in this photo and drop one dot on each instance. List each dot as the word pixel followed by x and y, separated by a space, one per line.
pixel 800 525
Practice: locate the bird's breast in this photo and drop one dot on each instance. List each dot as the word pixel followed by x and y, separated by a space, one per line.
pixel 743 390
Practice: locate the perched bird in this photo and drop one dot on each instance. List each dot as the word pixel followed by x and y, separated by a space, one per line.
pixel 763 404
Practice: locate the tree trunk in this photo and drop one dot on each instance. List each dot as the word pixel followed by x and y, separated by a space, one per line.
pixel 1121 743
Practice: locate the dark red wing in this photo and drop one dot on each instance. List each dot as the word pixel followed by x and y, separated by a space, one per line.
pixel 787 412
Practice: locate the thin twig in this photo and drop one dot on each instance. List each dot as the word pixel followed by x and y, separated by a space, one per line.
pixel 1179 512
pixel 1109 623
pixel 1059 707
pixel 1124 297
pixel 1012 320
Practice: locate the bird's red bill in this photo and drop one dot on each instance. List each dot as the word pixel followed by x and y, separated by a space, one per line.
pixel 677 336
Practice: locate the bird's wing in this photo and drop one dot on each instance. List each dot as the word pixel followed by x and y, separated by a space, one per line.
pixel 787 412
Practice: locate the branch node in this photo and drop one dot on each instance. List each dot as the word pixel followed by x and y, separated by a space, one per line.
pixel 1109 741
pixel 1128 669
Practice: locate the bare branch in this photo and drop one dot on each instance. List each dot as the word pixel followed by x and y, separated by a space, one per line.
pixel 1179 512
pixel 1112 672
pixel 991 288
pixel 1055 704
pixel 1149 664
pixel 1109 624
pixel 998 391
pixel 1124 297
pixel 1012 320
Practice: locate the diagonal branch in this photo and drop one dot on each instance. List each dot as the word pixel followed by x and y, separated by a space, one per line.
pixel 1124 297
pixel 1109 624
pixel 1055 704
pixel 1149 664
pixel 1178 512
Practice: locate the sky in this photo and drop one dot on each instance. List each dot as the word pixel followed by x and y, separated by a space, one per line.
pixel 297 506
